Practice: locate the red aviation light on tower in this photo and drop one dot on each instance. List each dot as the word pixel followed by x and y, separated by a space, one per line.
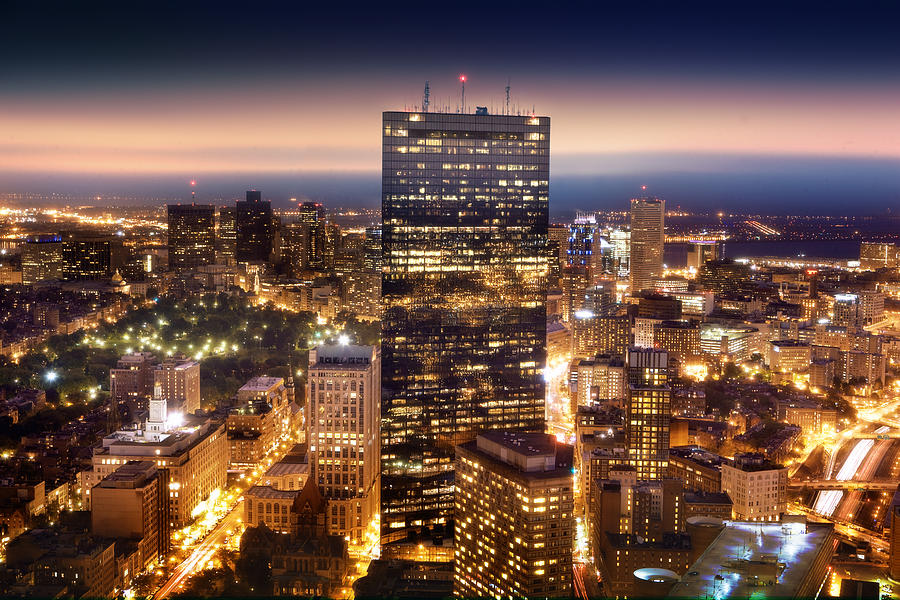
pixel 462 78
pixel 193 182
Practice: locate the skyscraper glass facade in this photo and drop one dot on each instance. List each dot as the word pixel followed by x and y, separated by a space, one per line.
pixel 255 228
pixel 192 235
pixel 464 211
pixel 647 240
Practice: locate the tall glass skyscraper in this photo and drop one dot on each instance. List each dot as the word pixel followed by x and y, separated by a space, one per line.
pixel 648 234
pixel 192 235
pixel 254 228
pixel 464 212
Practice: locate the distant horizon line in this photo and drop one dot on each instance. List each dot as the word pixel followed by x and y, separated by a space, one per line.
pixel 165 201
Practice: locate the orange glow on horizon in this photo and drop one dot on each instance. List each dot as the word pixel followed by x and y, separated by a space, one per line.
pixel 323 126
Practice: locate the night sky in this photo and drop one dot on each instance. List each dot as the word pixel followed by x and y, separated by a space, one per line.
pixel 788 107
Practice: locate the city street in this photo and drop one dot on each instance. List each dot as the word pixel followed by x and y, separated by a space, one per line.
pixel 202 553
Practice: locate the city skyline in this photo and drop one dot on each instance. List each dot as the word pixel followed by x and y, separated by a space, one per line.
pixel 713 108
pixel 301 300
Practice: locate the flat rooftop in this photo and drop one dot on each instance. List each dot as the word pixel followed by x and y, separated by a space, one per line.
pixel 288 468
pixel 264 492
pixel 744 551
pixel 131 474
pixel 261 384
pixel 524 443
pixel 789 344
pixel 698 455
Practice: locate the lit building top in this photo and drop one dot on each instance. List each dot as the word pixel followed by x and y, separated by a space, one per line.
pixel 533 453
pixel 161 435
pixel 341 356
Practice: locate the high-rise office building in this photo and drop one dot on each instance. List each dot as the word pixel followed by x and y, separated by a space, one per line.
pixel 514 517
pixel 178 383
pixel 343 433
pixel 647 239
pixel 192 236
pixel 557 242
pixel 91 256
pixel 254 228
pixel 878 255
pixel 703 251
pixel 620 254
pixel 42 259
pixel 226 235
pixel 311 212
pixel 464 213
pixel 132 379
pixel 372 244
pixel 648 411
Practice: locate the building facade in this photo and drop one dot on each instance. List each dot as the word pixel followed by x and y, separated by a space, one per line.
pixel 757 487
pixel 133 378
pixel 196 458
pixel 647 238
pixel 192 236
pixel 254 228
pixel 344 387
pixel 178 382
pixel 464 235
pixel 132 503
pixel 648 411
pixel 514 517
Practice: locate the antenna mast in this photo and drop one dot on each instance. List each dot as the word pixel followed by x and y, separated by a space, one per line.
pixel 462 79
pixel 427 98
pixel 507 95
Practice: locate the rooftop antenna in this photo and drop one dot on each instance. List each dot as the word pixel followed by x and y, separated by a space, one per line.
pixel 507 95
pixel 193 191
pixel 462 79
pixel 427 99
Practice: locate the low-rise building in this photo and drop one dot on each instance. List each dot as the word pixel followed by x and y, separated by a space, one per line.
pixel 783 560
pixel 699 469
pixel 708 504
pixel 601 379
pixel 264 505
pixel 290 473
pixel 810 416
pixel 788 356
pixel 195 456
pixel 757 487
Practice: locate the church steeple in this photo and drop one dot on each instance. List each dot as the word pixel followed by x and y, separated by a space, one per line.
pixel 289 383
